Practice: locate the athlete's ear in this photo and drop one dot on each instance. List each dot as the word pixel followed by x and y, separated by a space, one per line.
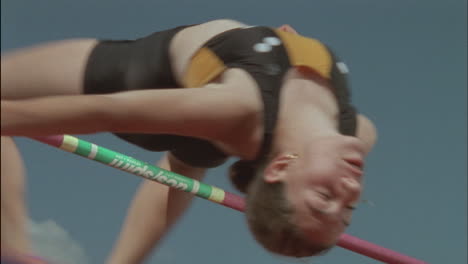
pixel 277 170
pixel 288 28
pixel 366 131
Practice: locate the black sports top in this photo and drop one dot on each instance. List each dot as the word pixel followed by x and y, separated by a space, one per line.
pixel 266 54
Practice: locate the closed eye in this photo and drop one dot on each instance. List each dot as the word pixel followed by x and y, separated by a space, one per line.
pixel 357 163
pixel 325 196
pixel 346 223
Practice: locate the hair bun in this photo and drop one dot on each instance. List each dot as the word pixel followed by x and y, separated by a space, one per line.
pixel 241 174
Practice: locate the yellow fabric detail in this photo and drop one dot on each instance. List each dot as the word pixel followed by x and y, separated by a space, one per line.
pixel 307 52
pixel 204 67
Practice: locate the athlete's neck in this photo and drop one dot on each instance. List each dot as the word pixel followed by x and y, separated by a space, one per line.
pixel 308 110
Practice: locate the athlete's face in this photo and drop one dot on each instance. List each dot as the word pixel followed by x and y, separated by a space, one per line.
pixel 323 185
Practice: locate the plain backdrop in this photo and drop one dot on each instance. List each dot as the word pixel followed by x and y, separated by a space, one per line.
pixel 408 64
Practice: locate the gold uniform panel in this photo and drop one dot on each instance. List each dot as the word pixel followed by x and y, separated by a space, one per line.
pixel 307 52
pixel 206 66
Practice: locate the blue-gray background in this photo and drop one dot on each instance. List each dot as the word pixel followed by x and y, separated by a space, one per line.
pixel 408 65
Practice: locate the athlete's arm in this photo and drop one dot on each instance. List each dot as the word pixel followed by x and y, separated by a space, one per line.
pixel 199 112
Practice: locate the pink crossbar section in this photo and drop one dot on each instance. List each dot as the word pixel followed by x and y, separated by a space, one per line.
pixel 233 201
pixel 55 140
pixel 375 251
pixel 10 256
pixel 346 241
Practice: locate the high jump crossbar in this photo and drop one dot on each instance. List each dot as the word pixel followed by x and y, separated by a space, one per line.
pixel 143 169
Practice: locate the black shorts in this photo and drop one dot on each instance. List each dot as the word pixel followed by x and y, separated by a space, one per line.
pixel 125 65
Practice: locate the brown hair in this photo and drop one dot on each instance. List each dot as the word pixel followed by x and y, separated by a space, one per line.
pixel 269 215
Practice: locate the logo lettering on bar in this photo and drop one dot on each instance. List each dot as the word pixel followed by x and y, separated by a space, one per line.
pixel 144 172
